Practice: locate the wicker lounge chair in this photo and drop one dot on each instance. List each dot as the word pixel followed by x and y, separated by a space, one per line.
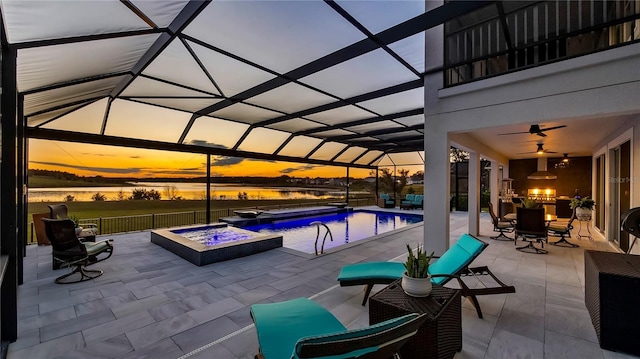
pixel 301 328
pixel 452 264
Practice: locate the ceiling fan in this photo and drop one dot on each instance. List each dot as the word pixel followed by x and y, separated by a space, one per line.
pixel 535 130
pixel 540 150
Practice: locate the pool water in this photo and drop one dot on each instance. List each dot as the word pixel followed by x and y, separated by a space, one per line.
pixel 212 236
pixel 347 227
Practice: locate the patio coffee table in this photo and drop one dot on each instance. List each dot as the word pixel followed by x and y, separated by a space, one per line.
pixel 440 336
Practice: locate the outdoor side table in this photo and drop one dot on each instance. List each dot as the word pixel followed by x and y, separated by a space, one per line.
pixel 440 336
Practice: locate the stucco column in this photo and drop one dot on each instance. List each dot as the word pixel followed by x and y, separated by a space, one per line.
pixel 436 190
pixel 436 147
pixel 474 193
pixel 494 185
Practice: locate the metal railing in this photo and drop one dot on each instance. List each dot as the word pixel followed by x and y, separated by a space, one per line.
pixel 143 222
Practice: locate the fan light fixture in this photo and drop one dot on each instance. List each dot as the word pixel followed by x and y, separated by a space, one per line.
pixel 540 150
pixel 564 163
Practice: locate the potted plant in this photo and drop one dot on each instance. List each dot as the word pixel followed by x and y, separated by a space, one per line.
pixel 416 281
pixel 583 207
pixel 530 203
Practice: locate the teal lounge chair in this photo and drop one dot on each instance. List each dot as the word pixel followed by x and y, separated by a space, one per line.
pixel 452 264
pixel 301 328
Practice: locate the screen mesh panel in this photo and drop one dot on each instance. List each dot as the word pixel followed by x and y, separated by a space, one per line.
pixel 214 132
pixel 300 146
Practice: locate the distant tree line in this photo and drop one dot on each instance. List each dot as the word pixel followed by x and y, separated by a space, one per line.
pixel 73 177
pixel 137 194
pixel 280 181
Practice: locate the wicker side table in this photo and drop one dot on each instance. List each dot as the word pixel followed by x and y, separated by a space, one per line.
pixel 612 294
pixel 440 336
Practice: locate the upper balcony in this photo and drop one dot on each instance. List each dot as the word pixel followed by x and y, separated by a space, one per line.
pixel 516 35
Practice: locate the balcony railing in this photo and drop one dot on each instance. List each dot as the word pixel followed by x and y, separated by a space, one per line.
pixel 535 33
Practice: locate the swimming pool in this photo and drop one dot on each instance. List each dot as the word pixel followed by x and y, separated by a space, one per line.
pixel 299 234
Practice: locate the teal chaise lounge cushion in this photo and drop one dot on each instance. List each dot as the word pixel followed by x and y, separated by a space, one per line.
pixel 452 264
pixel 301 328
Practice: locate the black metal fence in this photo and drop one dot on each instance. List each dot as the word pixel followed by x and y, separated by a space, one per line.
pixel 143 222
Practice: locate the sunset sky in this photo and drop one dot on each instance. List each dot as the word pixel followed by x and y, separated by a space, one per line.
pixel 111 161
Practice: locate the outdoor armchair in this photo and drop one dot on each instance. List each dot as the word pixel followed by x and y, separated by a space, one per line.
pixel 408 198
pixel 301 328
pixel 500 226
pixel 412 200
pixel 531 226
pixel 84 231
pixel 418 201
pixel 68 251
pixel 386 201
pixel 61 211
pixel 452 264
pixel 562 229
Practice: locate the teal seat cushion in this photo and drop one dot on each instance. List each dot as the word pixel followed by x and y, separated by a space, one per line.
pixel 456 258
pixel 410 197
pixel 384 196
pixel 280 325
pixel 370 270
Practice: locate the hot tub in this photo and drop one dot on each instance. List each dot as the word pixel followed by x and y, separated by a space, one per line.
pixel 202 245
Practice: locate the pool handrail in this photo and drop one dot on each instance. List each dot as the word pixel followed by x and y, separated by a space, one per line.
pixel 318 224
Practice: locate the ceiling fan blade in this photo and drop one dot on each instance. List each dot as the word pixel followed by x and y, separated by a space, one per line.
pixel 541 134
pixel 512 133
pixel 525 153
pixel 552 128
pixel 545 151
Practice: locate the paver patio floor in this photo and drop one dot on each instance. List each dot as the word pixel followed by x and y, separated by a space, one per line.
pixel 151 303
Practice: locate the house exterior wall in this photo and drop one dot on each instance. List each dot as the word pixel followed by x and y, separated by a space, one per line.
pixel 593 86
pixel 630 129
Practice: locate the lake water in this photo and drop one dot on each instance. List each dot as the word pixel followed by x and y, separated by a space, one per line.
pixel 185 190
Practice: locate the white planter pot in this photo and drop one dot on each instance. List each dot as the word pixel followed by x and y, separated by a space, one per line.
pixel 416 287
pixel 583 214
